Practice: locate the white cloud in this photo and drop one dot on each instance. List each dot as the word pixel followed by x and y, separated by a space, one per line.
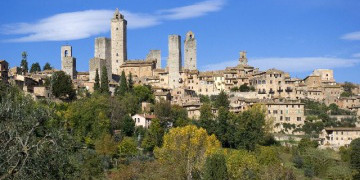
pixel 194 10
pixel 351 36
pixel 84 24
pixel 291 64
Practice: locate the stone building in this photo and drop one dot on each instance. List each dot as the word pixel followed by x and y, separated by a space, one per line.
pixel 286 116
pixel 138 68
pixel 243 59
pixel 174 61
pixel 155 55
pixel 190 56
pixel 118 41
pixel 103 51
pixel 4 68
pixel 326 75
pixel 68 62
pixel 336 137
pixel 96 64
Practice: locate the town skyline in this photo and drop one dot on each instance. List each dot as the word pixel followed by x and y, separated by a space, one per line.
pixel 152 26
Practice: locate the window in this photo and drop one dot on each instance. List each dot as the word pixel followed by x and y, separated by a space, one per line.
pixel 275 111
pixel 298 118
pixel 66 53
pixel 287 118
pixel 269 111
pixel 138 120
pixel 281 118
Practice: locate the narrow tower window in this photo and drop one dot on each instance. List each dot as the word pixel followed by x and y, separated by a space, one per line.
pixel 66 53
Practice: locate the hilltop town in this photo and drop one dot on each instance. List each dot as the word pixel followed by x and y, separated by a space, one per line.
pixel 282 95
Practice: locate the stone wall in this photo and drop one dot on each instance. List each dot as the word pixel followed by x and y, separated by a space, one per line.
pixel 96 63
pixel 155 55
pixel 190 56
pixel 174 60
pixel 103 51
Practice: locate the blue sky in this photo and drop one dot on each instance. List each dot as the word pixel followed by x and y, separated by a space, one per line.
pixel 296 36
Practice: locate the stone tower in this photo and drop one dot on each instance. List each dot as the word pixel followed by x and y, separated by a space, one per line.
pixel 68 63
pixel 174 60
pixel 155 55
pixel 190 51
pixel 103 51
pixel 118 41
pixel 243 59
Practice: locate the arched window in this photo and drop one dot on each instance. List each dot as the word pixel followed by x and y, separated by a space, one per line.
pixel 66 53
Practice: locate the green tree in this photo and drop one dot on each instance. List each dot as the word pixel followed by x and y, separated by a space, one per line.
pixel 128 147
pixel 306 143
pixel 242 165
pixel 244 88
pixel 215 167
pixel 206 119
pixel 24 64
pixel 47 66
pixel 162 110
pixel 123 87
pixel 30 148
pixel 130 82
pixel 35 67
pixel 97 81
pixel 106 145
pixel 179 116
pixel 153 136
pixel 187 147
pixel 205 99
pixel 144 93
pixel 250 128
pixel 355 157
pixel 348 86
pixel 222 100
pixel 88 118
pixel 104 86
pixel 61 85
pixel 127 126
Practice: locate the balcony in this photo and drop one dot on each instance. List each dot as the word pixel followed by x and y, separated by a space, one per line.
pixel 271 91
pixel 280 90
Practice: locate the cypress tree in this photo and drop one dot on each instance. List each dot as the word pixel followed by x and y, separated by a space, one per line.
pixel 123 85
pixel 130 82
pixel 355 157
pixel 47 66
pixel 104 86
pixel 97 81
pixel 24 64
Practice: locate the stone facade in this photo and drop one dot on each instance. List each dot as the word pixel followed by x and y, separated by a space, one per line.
pixel 118 41
pixel 103 51
pixel 286 116
pixel 190 56
pixel 68 63
pixel 155 55
pixel 243 59
pixel 96 63
pixel 326 75
pixel 174 61
pixel 336 137
pixel 138 68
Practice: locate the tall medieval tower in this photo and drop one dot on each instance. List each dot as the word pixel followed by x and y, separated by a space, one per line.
pixel 174 60
pixel 243 59
pixel 68 63
pixel 190 51
pixel 118 41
